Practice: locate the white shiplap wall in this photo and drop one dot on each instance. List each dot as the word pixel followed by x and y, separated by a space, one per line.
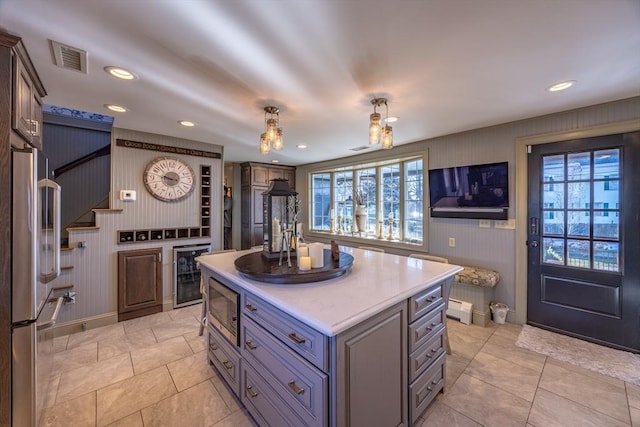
pixel 94 275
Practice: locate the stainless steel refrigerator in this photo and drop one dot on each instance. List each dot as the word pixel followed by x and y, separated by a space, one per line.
pixel 35 258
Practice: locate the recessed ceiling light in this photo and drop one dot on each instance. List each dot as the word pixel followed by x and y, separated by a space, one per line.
pixel 275 161
pixel 120 73
pixel 187 123
pixel 301 146
pixel 116 108
pixel 561 86
pixel 391 119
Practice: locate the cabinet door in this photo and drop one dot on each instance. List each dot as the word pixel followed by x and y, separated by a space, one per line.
pixel 36 121
pixel 139 283
pixel 22 99
pixel 371 371
pixel 259 175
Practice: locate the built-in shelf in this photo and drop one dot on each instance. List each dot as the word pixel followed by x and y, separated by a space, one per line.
pixel 140 236
pixel 205 200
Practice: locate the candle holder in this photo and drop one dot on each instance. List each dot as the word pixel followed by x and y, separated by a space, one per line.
pixel 380 230
pixel 339 230
pixel 279 214
pixel 390 235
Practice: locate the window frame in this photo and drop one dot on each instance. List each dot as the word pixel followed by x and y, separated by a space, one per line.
pixel 377 164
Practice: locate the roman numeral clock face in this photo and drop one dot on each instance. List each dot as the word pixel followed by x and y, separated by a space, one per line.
pixel 169 179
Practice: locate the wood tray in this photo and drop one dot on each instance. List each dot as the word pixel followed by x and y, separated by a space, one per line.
pixel 255 267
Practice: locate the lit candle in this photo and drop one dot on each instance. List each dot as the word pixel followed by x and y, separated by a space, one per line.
pixel 316 252
pixel 303 251
pixel 304 263
pixel 275 235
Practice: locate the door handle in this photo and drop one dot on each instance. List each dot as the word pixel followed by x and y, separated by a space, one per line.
pixel 54 316
pixel 533 243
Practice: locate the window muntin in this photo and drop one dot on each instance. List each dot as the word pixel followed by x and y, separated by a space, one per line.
pixel 395 187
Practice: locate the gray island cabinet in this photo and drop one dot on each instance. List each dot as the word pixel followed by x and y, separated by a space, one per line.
pixel 364 349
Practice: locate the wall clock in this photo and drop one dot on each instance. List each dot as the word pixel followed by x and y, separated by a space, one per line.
pixel 169 179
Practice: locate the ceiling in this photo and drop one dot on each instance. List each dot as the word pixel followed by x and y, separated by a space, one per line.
pixel 445 65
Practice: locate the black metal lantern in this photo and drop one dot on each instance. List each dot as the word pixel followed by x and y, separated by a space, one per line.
pixel 279 215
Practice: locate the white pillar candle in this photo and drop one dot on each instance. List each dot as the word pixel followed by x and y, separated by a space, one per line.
pixel 303 251
pixel 316 252
pixel 304 263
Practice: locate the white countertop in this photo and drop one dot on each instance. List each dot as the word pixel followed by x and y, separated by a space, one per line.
pixel 376 282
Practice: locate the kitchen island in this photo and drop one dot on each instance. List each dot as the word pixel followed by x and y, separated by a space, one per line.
pixel 366 348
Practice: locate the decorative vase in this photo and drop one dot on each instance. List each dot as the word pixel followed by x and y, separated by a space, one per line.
pixel 361 219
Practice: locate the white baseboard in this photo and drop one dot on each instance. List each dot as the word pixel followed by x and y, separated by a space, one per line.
pixel 80 325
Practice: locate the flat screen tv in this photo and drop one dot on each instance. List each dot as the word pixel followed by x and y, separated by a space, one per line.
pixel 475 191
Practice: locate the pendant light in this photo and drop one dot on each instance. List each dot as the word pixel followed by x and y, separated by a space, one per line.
pixel 272 136
pixel 376 131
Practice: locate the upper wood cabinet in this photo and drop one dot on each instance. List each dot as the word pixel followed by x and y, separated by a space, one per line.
pixel 255 179
pixel 27 91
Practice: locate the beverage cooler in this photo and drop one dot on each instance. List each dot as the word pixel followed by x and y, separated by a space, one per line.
pixel 186 275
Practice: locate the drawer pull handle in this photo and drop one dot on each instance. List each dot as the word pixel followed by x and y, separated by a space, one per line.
pixel 250 345
pixel 250 392
pixel 214 347
pixel 434 350
pixel 433 323
pixel 251 307
pixel 227 364
pixel 430 389
pixel 293 386
pixel 296 338
pixel 434 382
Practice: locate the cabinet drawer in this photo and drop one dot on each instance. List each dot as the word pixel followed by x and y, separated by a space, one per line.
pixel 424 302
pixel 306 341
pixel 426 327
pixel 225 358
pixel 426 388
pixel 300 384
pixel 262 403
pixel 430 351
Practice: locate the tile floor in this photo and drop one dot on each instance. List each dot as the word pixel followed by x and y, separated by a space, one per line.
pixel 152 371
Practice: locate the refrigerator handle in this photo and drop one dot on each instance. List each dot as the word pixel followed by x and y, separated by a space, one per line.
pixel 48 183
pixel 54 316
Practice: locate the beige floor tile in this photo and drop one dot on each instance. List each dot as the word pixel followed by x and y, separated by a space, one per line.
pixel 133 394
pixel 504 347
pixel 633 395
pixel 237 419
pixel 77 412
pixel 551 410
pixel 440 414
pixel 486 404
pixel 515 379
pixel 227 395
pixel 159 354
pixel 472 330
pixel 196 342
pixel 60 343
pixel 456 364
pixel 133 340
pixel 51 391
pixel 146 322
pixel 93 377
pixel 174 328
pixel 133 420
pixel 585 388
pixel 508 330
pixel 465 344
pixel 635 417
pixel 587 372
pixel 190 370
pixel 74 358
pixel 178 410
pixel 186 312
pixel 94 335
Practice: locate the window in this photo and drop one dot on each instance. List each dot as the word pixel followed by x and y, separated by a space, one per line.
pixel 392 193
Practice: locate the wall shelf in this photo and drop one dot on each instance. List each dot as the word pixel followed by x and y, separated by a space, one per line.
pixel 205 200
pixel 173 233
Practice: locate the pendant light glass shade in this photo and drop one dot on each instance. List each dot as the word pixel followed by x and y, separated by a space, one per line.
pixel 374 129
pixel 387 137
pixel 272 137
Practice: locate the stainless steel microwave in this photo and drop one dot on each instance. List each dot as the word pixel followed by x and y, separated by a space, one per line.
pixel 224 310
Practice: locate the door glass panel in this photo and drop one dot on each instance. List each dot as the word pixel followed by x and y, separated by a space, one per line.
pixel 553 168
pixel 553 222
pixel 578 166
pixel 553 251
pixel 606 164
pixel 606 256
pixel 578 253
pixel 578 223
pixel 553 196
pixel 578 196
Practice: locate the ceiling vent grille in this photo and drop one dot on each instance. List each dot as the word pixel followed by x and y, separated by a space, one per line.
pixel 68 57
pixel 360 148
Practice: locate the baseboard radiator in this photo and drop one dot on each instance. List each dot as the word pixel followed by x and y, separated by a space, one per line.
pixel 460 310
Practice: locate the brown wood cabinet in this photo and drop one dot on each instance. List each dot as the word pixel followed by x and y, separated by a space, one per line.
pixel 255 179
pixel 139 283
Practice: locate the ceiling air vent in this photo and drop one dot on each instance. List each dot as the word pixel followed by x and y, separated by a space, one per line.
pixel 68 57
pixel 360 148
